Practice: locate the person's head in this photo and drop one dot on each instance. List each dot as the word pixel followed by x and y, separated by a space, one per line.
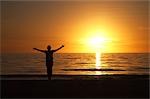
pixel 48 47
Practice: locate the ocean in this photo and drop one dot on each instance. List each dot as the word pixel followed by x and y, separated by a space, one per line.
pixel 76 64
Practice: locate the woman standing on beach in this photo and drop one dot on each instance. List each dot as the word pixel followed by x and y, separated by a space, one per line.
pixel 49 59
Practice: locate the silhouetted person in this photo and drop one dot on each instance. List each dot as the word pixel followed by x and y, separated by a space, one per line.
pixel 49 59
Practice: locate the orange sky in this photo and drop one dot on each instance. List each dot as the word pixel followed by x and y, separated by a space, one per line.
pixel 28 24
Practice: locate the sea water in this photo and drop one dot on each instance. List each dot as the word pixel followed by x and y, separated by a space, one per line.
pixel 76 63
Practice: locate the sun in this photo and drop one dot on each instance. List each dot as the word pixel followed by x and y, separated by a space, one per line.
pixel 97 42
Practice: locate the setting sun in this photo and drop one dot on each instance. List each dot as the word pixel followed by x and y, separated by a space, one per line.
pixel 97 42
pixel 89 48
pixel 82 27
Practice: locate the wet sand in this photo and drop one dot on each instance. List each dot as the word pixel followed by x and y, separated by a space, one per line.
pixel 73 86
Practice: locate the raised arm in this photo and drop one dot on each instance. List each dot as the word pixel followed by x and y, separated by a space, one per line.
pixel 39 50
pixel 58 48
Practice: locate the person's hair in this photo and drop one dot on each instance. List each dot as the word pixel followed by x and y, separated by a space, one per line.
pixel 48 47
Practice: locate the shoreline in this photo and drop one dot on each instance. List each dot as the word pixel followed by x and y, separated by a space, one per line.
pixel 75 77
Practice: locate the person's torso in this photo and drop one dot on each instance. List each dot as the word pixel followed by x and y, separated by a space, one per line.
pixel 49 56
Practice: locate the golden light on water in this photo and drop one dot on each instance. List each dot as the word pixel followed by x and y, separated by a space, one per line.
pixel 97 43
pixel 98 60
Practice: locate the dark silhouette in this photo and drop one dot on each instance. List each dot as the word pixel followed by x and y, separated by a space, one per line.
pixel 49 59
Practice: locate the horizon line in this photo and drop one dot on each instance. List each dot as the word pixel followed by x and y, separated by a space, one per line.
pixel 72 52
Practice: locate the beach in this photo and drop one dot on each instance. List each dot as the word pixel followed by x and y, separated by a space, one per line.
pixel 92 49
pixel 75 86
pixel 76 76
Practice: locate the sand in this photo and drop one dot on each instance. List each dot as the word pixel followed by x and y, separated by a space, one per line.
pixel 81 86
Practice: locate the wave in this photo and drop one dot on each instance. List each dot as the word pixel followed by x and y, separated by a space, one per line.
pixel 84 63
pixel 93 69
pixel 71 58
pixel 142 68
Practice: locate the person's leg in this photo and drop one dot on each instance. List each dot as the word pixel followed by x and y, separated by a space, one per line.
pixel 49 70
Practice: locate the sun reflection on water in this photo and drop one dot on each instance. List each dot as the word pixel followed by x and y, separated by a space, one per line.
pixel 98 59
pixel 98 62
